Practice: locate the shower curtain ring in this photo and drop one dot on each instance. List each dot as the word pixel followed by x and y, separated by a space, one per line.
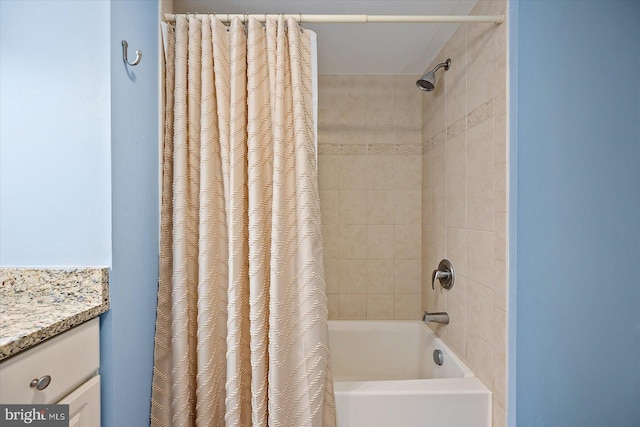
pixel 125 58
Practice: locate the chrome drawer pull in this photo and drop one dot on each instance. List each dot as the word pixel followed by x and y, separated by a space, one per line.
pixel 41 383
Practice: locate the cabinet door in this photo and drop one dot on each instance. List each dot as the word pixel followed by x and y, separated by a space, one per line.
pixel 68 359
pixel 84 404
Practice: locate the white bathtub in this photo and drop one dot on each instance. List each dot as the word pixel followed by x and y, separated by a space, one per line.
pixel 384 376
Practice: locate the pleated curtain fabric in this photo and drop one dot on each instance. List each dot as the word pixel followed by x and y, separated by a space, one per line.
pixel 241 333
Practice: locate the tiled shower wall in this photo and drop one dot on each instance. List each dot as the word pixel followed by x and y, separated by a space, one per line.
pixel 408 178
pixel 370 179
pixel 465 197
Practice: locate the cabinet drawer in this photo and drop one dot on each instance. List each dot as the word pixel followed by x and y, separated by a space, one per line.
pixel 84 404
pixel 69 359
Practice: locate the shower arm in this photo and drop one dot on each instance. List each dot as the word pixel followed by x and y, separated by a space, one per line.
pixel 445 64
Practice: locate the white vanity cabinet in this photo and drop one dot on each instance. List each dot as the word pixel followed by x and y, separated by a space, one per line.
pixel 63 369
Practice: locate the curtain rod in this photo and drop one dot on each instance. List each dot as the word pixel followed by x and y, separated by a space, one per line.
pixel 352 19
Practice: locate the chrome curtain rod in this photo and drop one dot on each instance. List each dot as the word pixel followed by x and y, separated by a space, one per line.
pixel 352 19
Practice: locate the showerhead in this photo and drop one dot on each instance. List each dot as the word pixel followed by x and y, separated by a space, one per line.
pixel 428 80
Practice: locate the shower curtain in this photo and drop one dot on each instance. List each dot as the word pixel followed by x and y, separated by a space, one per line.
pixel 241 331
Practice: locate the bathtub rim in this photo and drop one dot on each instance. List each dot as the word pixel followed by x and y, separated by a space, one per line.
pixel 362 324
pixel 438 386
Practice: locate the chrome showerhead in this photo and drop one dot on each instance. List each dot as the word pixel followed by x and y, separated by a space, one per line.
pixel 428 80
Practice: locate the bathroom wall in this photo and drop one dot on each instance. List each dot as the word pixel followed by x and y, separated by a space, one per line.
pixel 578 203
pixel 464 197
pixel 76 125
pixel 370 177
pixel 127 331
pixel 55 191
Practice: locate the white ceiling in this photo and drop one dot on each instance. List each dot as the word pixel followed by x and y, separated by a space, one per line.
pixel 358 48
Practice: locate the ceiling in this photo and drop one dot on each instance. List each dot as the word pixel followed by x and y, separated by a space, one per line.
pixel 358 48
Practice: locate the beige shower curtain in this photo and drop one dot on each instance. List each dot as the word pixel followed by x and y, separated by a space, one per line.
pixel 241 332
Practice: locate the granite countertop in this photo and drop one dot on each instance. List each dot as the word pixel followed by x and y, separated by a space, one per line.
pixel 37 304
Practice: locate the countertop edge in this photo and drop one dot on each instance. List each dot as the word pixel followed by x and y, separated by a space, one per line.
pixel 34 337
pixel 28 341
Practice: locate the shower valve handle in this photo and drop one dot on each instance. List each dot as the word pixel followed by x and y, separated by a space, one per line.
pixel 444 274
pixel 439 275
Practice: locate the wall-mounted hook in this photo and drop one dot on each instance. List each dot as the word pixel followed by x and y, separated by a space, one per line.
pixel 125 58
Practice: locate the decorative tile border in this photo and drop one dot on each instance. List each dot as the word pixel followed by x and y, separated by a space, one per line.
pixel 480 114
pixel 409 149
pixel 438 138
pixel 456 128
pixel 370 149
pixel 380 149
pixel 353 149
pixel 426 145
pixel 328 149
pixel 477 116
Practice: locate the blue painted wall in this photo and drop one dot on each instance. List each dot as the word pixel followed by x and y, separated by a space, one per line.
pixel 578 212
pixel 127 331
pixel 79 168
pixel 55 132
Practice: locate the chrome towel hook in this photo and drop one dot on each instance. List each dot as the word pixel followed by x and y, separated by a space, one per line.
pixel 125 58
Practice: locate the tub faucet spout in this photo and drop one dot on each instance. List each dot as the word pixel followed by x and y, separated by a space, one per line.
pixel 436 318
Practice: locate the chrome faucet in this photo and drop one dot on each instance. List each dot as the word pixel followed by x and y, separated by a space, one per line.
pixel 436 318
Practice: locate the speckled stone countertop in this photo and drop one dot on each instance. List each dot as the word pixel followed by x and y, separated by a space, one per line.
pixel 37 304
